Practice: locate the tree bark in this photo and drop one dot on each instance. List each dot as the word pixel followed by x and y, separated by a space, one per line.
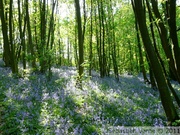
pixel 31 44
pixel 91 36
pixel 42 48
pixel 22 43
pixel 141 61
pixel 173 32
pixel 6 45
pixel 80 40
pixel 164 39
pixel 14 64
pixel 155 64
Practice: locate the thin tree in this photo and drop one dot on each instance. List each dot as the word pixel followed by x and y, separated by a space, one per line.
pixel 155 64
pixel 14 62
pixel 22 35
pixel 7 53
pixel 30 41
pixel 91 36
pixel 80 41
pixel 163 33
pixel 43 26
pixel 141 61
pixel 171 15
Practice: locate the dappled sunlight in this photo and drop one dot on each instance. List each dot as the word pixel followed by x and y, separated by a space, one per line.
pixel 37 105
pixel 88 67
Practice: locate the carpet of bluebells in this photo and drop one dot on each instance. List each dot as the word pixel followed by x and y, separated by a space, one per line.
pixel 35 105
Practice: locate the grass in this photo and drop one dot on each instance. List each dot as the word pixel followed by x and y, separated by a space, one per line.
pixel 33 105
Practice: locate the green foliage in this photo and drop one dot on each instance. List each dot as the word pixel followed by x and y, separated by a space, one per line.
pixel 176 123
pixel 41 106
pixel 8 121
pixel 93 105
pixel 104 86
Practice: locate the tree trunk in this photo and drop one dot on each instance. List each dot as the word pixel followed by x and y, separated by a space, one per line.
pixel 7 53
pixel 164 39
pixel 75 47
pixel 173 32
pixel 158 55
pixel 141 61
pixel 155 64
pixel 42 48
pixel 22 43
pixel 14 63
pixel 80 41
pixel 30 36
pixel 90 44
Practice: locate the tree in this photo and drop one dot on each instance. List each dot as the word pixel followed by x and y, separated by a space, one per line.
pixel 171 15
pixel 80 40
pixel 90 41
pixel 141 61
pixel 22 34
pixel 6 45
pixel 167 103
pixel 7 29
pixel 163 33
pixel 100 38
pixel 30 41
pixel 43 27
pixel 112 39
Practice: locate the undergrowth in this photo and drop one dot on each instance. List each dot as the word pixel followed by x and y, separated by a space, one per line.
pixel 35 105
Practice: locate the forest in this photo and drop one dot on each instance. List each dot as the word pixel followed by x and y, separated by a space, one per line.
pixel 88 67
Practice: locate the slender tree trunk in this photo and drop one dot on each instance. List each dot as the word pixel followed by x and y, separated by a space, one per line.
pixel 164 39
pixel 60 52
pixel 50 40
pixel 75 46
pixel 104 60
pixel 30 35
pixel 141 61
pixel 90 44
pixel 14 64
pixel 43 60
pixel 99 45
pixel 85 19
pixel 152 79
pixel 173 32
pixel 51 24
pixel 112 45
pixel 68 51
pixel 22 43
pixel 114 56
pixel 158 55
pixel 155 64
pixel 80 41
pixel 7 53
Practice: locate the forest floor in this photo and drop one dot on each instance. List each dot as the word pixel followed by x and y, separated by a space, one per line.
pixel 34 105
